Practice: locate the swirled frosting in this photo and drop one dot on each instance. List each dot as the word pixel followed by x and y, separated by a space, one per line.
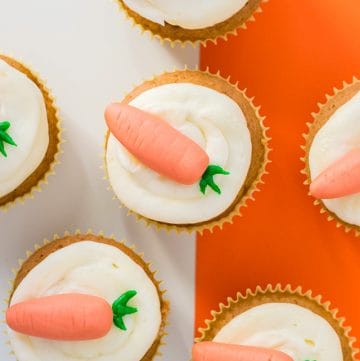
pixel 22 104
pixel 339 135
pixel 188 14
pixel 89 267
pixel 212 120
pixel 289 328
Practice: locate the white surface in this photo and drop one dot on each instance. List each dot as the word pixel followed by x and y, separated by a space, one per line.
pixel 88 268
pixel 188 14
pixel 212 120
pixel 289 328
pixel 90 55
pixel 338 136
pixel 22 104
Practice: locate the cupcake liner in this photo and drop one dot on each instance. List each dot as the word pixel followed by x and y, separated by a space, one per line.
pixel 40 176
pixel 278 293
pixel 326 110
pixel 176 35
pixel 36 256
pixel 260 146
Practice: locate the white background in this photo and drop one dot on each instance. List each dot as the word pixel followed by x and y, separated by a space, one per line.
pixel 90 55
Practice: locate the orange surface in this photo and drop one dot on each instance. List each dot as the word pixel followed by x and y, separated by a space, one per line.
pixel 292 55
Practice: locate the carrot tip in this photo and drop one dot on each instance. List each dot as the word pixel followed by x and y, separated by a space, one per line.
pixel 208 178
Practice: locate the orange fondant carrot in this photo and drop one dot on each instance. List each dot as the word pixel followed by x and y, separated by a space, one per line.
pixel 62 317
pixel 340 179
pixel 69 317
pixel 160 146
pixel 213 351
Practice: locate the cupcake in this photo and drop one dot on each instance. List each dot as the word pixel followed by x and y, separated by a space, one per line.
pixel 278 324
pixel 333 157
pixel 185 150
pixel 191 21
pixel 85 297
pixel 29 132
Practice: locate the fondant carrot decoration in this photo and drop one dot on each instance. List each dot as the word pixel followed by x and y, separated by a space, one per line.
pixel 340 179
pixel 213 351
pixel 161 147
pixel 69 317
pixel 5 137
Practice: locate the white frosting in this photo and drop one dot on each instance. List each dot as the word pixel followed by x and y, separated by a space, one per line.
pixel 22 104
pixel 339 135
pixel 188 14
pixel 289 328
pixel 101 270
pixel 212 120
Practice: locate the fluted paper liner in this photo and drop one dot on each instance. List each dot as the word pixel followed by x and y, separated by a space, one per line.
pixel 176 34
pixel 42 251
pixel 243 302
pixel 40 176
pixel 333 103
pixel 259 140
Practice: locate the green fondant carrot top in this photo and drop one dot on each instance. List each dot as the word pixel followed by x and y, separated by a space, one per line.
pixel 5 137
pixel 120 309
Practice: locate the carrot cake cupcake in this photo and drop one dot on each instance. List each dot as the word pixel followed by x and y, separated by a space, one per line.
pixel 275 324
pixel 333 156
pixel 190 20
pixel 185 149
pixel 29 133
pixel 85 297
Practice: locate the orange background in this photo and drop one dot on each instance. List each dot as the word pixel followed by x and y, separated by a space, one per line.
pixel 293 54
